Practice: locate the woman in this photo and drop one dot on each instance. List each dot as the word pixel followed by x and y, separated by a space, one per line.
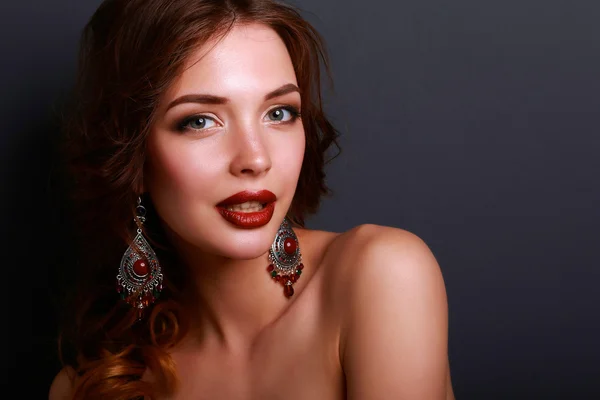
pixel 198 138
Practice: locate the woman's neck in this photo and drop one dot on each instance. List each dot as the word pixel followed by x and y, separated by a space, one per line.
pixel 229 302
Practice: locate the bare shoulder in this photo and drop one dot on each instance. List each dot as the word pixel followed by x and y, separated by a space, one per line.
pixel 62 385
pixel 363 237
pixel 378 259
pixel 380 249
pixel 387 291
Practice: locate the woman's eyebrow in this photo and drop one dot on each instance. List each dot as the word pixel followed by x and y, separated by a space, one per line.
pixel 212 99
pixel 285 89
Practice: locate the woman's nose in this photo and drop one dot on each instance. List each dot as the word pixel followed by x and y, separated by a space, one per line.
pixel 251 155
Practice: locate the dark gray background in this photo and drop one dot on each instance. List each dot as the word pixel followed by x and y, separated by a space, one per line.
pixel 473 124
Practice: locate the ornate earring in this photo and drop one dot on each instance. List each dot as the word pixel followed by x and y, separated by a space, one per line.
pixel 139 281
pixel 286 261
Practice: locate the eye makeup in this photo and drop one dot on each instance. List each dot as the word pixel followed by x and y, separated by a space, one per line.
pixel 203 119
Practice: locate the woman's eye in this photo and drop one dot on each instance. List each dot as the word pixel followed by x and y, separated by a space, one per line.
pixel 198 123
pixel 283 114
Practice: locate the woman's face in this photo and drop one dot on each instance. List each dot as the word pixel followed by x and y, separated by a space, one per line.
pixel 228 125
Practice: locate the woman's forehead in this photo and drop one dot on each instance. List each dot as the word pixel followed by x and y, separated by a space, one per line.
pixel 250 57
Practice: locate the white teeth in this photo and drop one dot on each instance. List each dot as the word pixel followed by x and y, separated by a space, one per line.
pixel 248 207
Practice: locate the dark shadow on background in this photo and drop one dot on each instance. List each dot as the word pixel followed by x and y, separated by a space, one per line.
pixel 36 244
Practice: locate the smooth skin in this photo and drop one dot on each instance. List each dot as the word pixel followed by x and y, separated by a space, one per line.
pixel 368 319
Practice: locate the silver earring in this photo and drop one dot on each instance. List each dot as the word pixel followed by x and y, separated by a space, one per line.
pixel 285 259
pixel 140 279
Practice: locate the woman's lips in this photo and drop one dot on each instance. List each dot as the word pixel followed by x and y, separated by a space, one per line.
pixel 248 219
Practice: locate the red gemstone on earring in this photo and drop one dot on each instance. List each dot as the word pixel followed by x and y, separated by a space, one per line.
pixel 301 267
pixel 288 290
pixel 270 268
pixel 289 246
pixel 140 267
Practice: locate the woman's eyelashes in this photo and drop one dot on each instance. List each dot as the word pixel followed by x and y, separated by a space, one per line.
pixel 280 115
pixel 284 114
pixel 196 123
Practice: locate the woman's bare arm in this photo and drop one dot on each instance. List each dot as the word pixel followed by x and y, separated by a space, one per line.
pixel 395 327
pixel 62 385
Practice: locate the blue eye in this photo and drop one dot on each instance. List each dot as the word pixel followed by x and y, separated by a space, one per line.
pixel 283 114
pixel 198 122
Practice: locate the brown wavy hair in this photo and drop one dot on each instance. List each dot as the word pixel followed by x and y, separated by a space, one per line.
pixel 131 51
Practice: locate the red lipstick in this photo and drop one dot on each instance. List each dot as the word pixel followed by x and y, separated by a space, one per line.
pixel 248 220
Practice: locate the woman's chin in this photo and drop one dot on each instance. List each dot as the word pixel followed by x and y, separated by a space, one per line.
pixel 249 250
pixel 236 245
